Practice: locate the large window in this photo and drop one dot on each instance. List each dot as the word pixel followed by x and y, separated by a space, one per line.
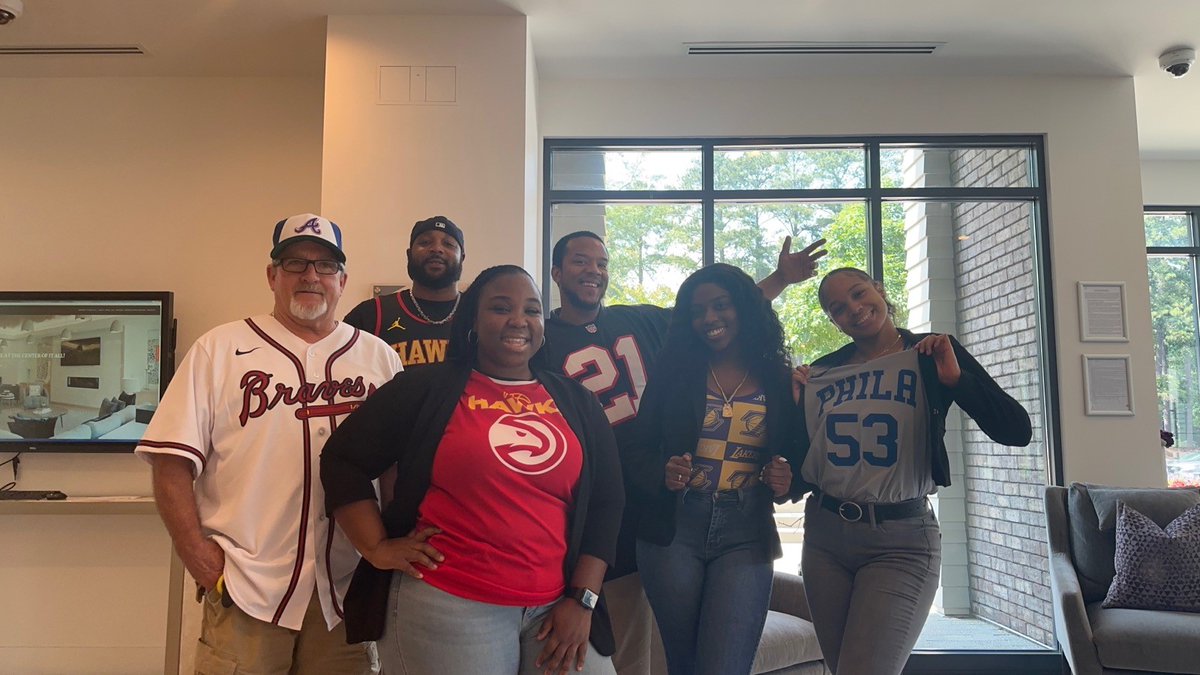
pixel 1172 247
pixel 955 229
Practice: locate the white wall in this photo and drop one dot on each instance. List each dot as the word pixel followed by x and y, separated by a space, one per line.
pixel 1094 183
pixel 132 184
pixel 532 231
pixel 387 166
pixel 1171 183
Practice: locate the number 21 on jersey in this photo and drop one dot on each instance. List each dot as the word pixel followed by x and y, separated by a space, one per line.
pixel 597 369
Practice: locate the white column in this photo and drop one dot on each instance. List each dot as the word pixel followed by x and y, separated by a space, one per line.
pixel 929 244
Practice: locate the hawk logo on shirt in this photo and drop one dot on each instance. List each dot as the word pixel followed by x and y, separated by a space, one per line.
pixel 526 444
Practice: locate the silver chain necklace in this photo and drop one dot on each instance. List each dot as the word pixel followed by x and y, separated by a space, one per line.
pixel 417 306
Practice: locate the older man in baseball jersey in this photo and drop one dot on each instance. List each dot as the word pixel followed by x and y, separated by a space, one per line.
pixel 234 448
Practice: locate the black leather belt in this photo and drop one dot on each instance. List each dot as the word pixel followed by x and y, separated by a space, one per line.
pixel 871 511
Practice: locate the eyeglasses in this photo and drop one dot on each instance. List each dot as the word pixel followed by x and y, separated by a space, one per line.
pixel 300 266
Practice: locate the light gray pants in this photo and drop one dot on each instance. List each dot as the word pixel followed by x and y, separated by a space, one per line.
pixel 431 632
pixel 869 587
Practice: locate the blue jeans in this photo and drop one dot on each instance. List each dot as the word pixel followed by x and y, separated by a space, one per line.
pixel 431 631
pixel 710 588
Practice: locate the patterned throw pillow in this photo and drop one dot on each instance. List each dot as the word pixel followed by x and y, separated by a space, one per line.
pixel 1156 568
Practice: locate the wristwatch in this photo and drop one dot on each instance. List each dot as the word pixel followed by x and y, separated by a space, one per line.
pixel 584 595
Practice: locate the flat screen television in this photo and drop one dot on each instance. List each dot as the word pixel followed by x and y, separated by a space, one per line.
pixel 83 371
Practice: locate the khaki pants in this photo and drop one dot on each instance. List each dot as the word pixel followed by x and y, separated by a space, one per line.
pixel 633 625
pixel 234 643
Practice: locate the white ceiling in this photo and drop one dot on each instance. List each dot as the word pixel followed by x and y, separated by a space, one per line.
pixel 643 38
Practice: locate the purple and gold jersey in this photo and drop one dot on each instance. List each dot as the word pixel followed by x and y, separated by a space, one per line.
pixel 868 426
pixel 729 454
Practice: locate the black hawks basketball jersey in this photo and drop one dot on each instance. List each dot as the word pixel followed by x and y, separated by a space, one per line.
pixel 393 319
pixel 611 356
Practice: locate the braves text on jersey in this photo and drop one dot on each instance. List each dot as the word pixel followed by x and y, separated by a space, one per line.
pixel 251 406
pixel 392 318
pixel 868 426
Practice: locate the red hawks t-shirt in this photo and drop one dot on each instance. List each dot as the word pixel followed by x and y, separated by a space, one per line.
pixel 504 479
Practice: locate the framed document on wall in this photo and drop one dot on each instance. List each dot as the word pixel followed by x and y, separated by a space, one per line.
pixel 1102 312
pixel 1107 384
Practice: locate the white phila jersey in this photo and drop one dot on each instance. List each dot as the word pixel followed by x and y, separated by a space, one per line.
pixel 868 424
pixel 251 406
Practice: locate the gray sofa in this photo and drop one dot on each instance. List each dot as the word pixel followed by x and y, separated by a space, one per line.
pixel 1080 525
pixel 789 643
pixel 119 425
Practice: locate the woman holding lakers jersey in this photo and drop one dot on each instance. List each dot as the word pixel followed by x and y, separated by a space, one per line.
pixel 715 429
pixel 507 503
pixel 875 413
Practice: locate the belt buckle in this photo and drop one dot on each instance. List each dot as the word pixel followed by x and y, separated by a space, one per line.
pixel 841 510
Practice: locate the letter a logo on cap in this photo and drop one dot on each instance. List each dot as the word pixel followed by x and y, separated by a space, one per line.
pixel 313 224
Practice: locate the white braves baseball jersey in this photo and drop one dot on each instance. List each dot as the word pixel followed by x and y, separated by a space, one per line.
pixel 251 406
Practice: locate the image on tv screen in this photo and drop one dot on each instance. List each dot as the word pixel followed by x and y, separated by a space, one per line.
pixel 81 372
pixel 83 352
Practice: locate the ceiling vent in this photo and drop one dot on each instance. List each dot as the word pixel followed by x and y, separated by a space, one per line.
pixel 833 48
pixel 70 50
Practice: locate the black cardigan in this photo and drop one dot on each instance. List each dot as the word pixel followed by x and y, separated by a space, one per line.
pixel 998 415
pixel 403 422
pixel 668 423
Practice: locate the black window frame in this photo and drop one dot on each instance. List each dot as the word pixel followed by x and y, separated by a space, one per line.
pixel 874 195
pixel 1192 251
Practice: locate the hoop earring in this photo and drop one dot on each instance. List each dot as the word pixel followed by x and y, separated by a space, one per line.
pixel 543 340
pixel 472 337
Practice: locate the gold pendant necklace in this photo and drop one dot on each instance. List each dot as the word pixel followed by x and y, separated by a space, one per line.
pixel 727 408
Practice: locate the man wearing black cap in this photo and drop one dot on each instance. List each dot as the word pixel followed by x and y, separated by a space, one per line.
pixel 234 448
pixel 416 321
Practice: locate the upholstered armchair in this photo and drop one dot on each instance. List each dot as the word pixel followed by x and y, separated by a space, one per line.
pixel 1080 524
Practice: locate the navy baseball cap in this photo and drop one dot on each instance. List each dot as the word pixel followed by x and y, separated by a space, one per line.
pixel 308 227
pixel 438 223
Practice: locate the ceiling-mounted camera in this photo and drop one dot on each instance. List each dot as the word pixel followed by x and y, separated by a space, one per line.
pixel 10 9
pixel 1177 62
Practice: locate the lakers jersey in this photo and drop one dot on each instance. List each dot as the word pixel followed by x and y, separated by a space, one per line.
pixel 730 452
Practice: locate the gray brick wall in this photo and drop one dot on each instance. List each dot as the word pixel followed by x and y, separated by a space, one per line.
pixel 998 323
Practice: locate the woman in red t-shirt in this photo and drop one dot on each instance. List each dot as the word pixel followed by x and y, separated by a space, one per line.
pixel 507 506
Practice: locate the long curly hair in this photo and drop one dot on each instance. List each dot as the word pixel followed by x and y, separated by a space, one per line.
pixel 460 348
pixel 760 335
